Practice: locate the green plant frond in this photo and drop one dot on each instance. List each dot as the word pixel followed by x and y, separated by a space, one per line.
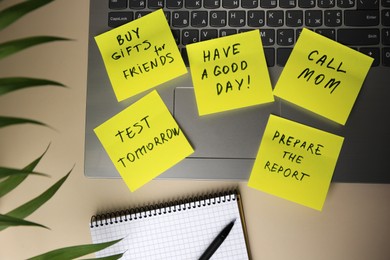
pixel 8 221
pixel 74 251
pixel 6 172
pixel 32 205
pixel 112 257
pixel 13 13
pixel 8 121
pixel 16 83
pixel 13 181
pixel 14 46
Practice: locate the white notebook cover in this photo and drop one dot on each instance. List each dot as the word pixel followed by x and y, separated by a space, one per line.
pixel 175 230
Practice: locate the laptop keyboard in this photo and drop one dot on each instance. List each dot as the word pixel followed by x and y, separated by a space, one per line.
pixel 361 24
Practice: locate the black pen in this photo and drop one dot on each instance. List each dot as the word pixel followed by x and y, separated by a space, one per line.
pixel 217 242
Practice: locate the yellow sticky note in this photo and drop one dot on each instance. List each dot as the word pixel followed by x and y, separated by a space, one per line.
pixel 140 55
pixel 143 140
pixel 295 162
pixel 323 76
pixel 229 73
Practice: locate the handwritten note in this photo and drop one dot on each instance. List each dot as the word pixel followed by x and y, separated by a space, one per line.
pixel 140 55
pixel 143 141
pixel 295 162
pixel 229 73
pixel 323 76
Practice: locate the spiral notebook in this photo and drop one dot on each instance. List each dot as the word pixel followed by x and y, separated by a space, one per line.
pixel 181 229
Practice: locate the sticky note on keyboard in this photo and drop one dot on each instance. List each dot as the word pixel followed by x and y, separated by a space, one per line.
pixel 229 73
pixel 323 76
pixel 143 140
pixel 140 55
pixel 295 162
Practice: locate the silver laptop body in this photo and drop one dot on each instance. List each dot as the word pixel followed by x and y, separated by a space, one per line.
pixel 226 143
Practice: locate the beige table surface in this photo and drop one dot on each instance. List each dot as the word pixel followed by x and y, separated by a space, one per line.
pixel 354 223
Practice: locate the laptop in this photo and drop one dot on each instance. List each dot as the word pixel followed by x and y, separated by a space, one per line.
pixel 226 143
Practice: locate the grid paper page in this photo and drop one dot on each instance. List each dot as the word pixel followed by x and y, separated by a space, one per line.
pixel 183 234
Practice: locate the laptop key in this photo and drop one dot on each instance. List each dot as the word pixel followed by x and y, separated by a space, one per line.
pixel 361 18
pixel 174 4
pixel 294 18
pixel 211 4
pixel 218 18
pixel 208 34
pixel 275 18
pixel 282 56
pixel 306 3
pixel 199 18
pixel 116 19
pixel 326 3
pixel 333 18
pixel 285 37
pixel 249 4
pixel 287 3
pixel 227 32
pixel 136 4
pixel 367 4
pixel 155 4
pixel 140 14
pixel 386 57
pixel 372 52
pixel 267 37
pixel 268 3
pixel 269 54
pixel 237 18
pixel 329 33
pixel 117 4
pixel 298 33
pixel 313 18
pixel 176 35
pixel 386 17
pixel 190 36
pixel 345 3
pixel 386 3
pixel 358 36
pixel 230 4
pixel 386 36
pixel 180 18
pixel 193 4
pixel 256 18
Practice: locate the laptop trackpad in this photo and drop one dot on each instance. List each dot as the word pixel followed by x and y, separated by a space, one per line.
pixel 230 134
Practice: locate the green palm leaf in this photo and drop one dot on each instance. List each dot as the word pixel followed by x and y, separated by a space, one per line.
pixel 112 257
pixel 13 13
pixel 11 178
pixel 32 205
pixel 12 182
pixel 12 84
pixel 8 221
pixel 7 172
pixel 74 251
pixel 14 46
pixel 8 121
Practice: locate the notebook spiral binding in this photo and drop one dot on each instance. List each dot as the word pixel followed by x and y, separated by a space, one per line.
pixel 168 207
